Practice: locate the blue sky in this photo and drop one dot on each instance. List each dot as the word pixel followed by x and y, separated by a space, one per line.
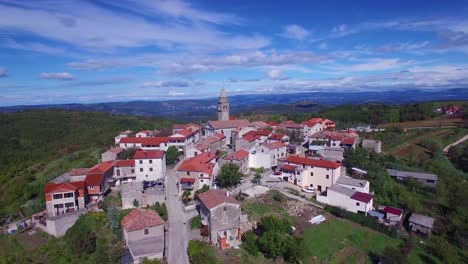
pixel 101 51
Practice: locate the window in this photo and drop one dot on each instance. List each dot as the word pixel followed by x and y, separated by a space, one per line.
pixel 68 195
pixel 58 196
pixel 188 172
pixel 357 204
pixel 141 162
pixel 225 208
pixel 146 231
pixel 328 169
pixel 150 161
pixel 328 176
pixel 91 187
pixel 151 169
pixel 201 174
pixel 133 170
pixel 141 169
pixel 311 174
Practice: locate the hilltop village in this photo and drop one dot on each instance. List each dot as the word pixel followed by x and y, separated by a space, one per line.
pixel 194 174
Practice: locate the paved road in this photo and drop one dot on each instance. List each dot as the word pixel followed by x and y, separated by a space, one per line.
pixel 446 149
pixel 178 235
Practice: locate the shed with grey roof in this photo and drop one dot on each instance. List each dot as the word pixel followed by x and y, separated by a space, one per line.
pixel 355 184
pixel 421 224
pixel 425 178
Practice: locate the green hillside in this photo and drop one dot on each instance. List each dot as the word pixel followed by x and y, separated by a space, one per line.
pixel 38 145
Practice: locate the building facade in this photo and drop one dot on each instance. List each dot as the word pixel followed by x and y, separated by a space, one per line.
pixel 223 106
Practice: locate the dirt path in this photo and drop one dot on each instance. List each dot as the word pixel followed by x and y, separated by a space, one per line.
pixel 461 140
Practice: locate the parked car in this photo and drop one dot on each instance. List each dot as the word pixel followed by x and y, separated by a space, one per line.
pixel 308 190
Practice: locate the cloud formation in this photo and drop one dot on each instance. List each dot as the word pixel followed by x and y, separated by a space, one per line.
pixel 3 72
pixel 62 76
pixel 295 32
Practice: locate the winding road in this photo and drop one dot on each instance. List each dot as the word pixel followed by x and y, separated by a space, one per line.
pixel 461 140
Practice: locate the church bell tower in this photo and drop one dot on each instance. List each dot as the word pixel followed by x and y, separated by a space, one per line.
pixel 223 106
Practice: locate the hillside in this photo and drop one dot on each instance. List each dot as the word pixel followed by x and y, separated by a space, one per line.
pixel 38 145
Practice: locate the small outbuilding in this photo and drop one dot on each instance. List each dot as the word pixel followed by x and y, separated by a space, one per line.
pixel 421 224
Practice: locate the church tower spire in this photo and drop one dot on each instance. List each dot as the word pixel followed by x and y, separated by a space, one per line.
pixel 223 106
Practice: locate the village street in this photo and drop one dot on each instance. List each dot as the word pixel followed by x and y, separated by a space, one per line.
pixel 178 234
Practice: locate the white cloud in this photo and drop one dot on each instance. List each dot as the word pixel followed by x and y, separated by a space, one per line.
pixel 63 76
pixel 172 84
pixel 175 93
pixel 368 65
pixel 276 74
pixel 323 46
pixel 3 72
pixel 93 27
pixel 295 32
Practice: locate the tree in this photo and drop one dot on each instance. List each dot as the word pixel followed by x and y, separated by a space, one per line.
pixel 172 155
pixel 258 174
pixel 127 153
pixel 295 136
pixel 249 243
pixel 270 223
pixel 392 255
pixel 229 176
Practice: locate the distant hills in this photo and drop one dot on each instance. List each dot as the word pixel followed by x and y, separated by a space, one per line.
pixel 203 109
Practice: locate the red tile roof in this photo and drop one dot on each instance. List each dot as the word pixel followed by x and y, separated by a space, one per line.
pixel 288 167
pixel 313 121
pixel 199 163
pixel 189 180
pixel 277 136
pixel 61 187
pixel 272 123
pixel 274 145
pixel 260 124
pixel 288 124
pixel 253 135
pixel 124 163
pixel 94 179
pixel 348 141
pixel 215 197
pixel 238 155
pixel 393 210
pixel 362 197
pixel 149 154
pixel 101 168
pixel 312 162
pixel 145 141
pixel 79 171
pixel 139 219
pixel 229 124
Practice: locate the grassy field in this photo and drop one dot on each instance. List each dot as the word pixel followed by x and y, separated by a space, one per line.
pixel 340 241
pixel 436 122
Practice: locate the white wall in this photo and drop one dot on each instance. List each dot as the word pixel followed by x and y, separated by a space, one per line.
pixel 143 170
pixel 344 201
pixel 318 177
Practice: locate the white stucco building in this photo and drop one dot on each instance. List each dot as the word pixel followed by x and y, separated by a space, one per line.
pixel 346 198
pixel 266 155
pixel 150 165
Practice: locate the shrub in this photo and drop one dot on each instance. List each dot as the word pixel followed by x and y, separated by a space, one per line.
pixel 201 253
pixel 196 222
pixel 249 243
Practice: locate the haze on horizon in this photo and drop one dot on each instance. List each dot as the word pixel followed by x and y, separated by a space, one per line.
pixel 55 52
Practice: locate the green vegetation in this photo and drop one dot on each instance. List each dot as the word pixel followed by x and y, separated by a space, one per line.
pixel 229 176
pixel 161 209
pixel 172 155
pixel 38 145
pixel 202 253
pixel 205 188
pixel 258 174
pixel 196 223
pixel 458 155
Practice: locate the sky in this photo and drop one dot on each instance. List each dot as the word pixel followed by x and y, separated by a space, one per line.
pixel 54 52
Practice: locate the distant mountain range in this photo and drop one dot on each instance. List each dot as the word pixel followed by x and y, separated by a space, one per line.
pixel 203 109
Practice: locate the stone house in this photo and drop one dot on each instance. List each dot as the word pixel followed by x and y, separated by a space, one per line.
pixel 372 145
pixel 111 154
pixel 124 171
pixel 143 231
pixel 196 172
pixel 240 158
pixel 222 214
pixel 421 224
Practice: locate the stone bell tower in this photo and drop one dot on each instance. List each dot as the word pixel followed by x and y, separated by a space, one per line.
pixel 223 106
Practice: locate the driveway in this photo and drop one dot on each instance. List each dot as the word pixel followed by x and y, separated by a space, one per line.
pixel 179 233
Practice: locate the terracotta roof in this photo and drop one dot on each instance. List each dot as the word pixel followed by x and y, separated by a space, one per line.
pixel 79 171
pixel 101 168
pixel 66 186
pixel 362 197
pixel 277 136
pixel 149 154
pixel 272 123
pixel 288 124
pixel 313 121
pixel 274 145
pixel 124 163
pixel 312 162
pixel 199 163
pixel 238 155
pixel 190 180
pixel 139 219
pixel 145 141
pixel 260 124
pixel 253 135
pixel 288 167
pixel 228 124
pixel 215 197
pixel 348 141
pixel 393 210
pixel 94 179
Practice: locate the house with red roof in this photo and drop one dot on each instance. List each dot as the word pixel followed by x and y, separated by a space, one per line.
pixel 143 231
pixel 186 138
pixel 147 133
pixel 98 178
pixel 266 155
pixel 65 197
pixel 346 139
pixel 221 212
pixel 150 165
pixel 307 172
pixel 347 198
pixel 225 127
pixel 239 157
pixel 146 143
pixel 122 134
pixel 278 137
pixel 393 216
pixel 251 138
pixel 196 172
pixel 288 126
pixel 312 126
pixel 211 144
